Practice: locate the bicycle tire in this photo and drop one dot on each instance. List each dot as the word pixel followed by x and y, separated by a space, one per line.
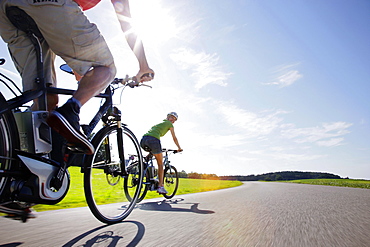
pixel 9 141
pixel 106 199
pixel 131 181
pixel 171 181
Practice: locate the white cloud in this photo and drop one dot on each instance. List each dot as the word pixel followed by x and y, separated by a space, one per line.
pixel 253 124
pixel 321 135
pixel 331 142
pixel 285 76
pixel 205 68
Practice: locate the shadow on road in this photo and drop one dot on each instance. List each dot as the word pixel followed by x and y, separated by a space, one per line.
pixel 15 244
pixel 169 205
pixel 108 237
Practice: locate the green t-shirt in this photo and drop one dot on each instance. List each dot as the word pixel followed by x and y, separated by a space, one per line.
pixel 160 130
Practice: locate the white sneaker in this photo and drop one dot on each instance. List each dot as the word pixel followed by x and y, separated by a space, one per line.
pixel 161 190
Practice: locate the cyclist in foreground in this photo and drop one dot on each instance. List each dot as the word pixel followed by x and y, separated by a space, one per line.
pixel 152 140
pixel 69 34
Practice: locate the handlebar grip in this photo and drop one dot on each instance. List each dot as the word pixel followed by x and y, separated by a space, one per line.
pixel 151 75
pixel 130 81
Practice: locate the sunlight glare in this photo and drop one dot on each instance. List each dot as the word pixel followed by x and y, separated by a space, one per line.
pixel 153 23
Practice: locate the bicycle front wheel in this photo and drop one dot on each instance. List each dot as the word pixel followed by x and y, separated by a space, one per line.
pixel 105 171
pixel 171 181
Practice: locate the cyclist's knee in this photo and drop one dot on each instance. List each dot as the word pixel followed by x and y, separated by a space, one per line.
pixel 103 73
pixel 112 71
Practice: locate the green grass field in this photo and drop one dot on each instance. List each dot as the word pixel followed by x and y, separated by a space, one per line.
pixel 76 197
pixel 355 183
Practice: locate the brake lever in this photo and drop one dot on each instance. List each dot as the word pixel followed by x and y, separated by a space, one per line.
pixel 145 85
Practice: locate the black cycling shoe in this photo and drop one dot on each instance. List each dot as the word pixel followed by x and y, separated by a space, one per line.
pixel 16 211
pixel 65 121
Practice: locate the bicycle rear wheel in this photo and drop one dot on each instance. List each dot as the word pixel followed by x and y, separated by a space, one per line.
pixel 9 140
pixel 171 181
pixel 103 175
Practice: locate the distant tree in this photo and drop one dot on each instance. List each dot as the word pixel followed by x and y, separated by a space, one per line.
pixel 278 177
pixel 194 175
pixel 209 176
pixel 183 174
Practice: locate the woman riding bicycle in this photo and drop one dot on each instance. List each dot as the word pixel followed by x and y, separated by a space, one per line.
pixel 152 140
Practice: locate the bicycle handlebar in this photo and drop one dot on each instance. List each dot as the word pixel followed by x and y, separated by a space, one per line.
pixel 132 81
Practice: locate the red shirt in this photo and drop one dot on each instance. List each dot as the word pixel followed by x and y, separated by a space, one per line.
pixel 87 4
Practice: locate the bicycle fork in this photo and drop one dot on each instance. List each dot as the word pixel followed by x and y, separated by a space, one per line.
pixel 121 149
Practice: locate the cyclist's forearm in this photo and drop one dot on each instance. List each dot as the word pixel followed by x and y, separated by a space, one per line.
pixel 177 143
pixel 122 9
pixel 137 47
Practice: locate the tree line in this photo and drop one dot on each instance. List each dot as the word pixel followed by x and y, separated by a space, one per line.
pixel 286 175
pixel 272 176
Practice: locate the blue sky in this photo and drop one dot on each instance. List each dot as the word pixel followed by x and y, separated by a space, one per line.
pixel 259 86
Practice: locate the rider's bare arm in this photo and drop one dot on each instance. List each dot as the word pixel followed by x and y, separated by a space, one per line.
pixel 175 139
pixel 122 9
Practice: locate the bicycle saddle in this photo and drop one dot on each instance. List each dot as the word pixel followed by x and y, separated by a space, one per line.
pixel 22 21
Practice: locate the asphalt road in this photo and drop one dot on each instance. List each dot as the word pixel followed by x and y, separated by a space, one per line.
pixel 255 214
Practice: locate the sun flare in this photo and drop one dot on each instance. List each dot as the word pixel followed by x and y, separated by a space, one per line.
pixel 152 22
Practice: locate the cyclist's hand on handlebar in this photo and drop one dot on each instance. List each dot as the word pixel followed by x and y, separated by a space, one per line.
pixel 180 150
pixel 145 75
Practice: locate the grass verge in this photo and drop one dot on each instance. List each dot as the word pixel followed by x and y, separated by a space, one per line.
pixel 354 183
pixel 76 197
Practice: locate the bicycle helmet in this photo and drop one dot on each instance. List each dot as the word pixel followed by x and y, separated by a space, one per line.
pixel 174 114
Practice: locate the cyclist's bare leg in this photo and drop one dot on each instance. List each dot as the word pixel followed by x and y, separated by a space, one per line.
pixel 65 119
pixel 93 82
pixel 159 158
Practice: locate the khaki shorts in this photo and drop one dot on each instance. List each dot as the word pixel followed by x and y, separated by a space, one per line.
pixel 67 32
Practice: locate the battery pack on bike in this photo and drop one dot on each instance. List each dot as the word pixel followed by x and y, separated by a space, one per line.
pixel 34 133
pixel 48 182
